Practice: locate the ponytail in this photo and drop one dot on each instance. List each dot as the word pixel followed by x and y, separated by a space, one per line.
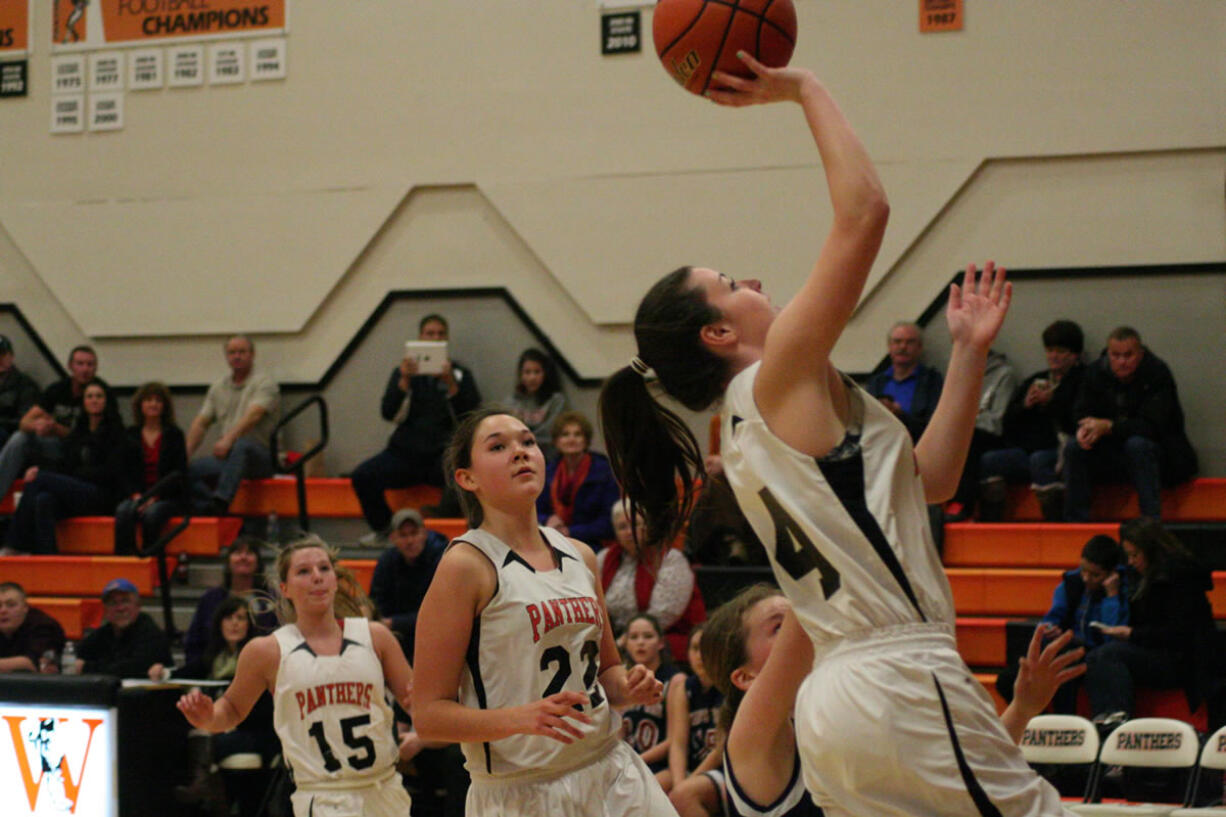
pixel 651 448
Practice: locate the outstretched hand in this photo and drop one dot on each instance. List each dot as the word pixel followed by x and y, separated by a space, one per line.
pixel 977 308
pixel 197 708
pixel 1044 669
pixel 767 85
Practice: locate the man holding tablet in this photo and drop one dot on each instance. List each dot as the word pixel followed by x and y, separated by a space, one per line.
pixel 425 395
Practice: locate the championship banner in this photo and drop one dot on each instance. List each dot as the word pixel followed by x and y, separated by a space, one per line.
pixel 14 28
pixel 98 24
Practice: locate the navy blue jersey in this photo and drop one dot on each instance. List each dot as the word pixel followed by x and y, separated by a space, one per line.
pixel 793 801
pixel 646 725
pixel 704 708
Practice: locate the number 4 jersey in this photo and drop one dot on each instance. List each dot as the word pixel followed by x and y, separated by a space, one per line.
pixel 329 711
pixel 540 634
pixel 847 533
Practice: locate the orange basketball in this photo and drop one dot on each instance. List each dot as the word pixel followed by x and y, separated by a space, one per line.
pixel 695 37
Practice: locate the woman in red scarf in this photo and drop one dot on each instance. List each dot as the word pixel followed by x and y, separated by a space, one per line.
pixel 646 578
pixel 579 485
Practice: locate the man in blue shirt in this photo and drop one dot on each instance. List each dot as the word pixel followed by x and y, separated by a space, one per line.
pixel 907 387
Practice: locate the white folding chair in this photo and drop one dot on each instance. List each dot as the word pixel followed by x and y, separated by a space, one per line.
pixel 1213 757
pixel 1157 743
pixel 1060 740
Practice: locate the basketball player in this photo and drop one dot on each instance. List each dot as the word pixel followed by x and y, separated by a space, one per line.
pixel 515 655
pixel 327 676
pixel 759 656
pixel 890 721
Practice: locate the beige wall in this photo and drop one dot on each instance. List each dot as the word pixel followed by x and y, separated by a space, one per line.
pixel 487 143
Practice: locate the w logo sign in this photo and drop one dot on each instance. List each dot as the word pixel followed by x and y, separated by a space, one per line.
pixel 45 763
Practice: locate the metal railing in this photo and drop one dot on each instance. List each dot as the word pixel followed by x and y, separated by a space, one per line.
pixel 296 467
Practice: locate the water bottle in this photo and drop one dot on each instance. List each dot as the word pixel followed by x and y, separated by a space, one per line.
pixel 272 531
pixel 68 659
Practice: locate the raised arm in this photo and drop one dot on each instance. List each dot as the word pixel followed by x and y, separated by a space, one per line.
pixel 975 314
pixel 793 381
pixel 1040 673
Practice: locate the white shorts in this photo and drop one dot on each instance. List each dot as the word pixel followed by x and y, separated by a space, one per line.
pixel 387 798
pixel 617 785
pixel 896 724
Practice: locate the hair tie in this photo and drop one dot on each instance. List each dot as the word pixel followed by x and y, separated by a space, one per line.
pixel 640 367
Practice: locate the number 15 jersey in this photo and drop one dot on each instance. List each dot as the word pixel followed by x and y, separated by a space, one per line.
pixel 847 533
pixel 540 634
pixel 329 711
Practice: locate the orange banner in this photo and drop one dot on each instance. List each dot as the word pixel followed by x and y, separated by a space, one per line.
pixel 940 15
pixel 14 27
pixel 136 22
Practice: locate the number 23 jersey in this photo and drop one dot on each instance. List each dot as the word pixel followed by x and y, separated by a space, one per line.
pixel 329 711
pixel 540 634
pixel 847 533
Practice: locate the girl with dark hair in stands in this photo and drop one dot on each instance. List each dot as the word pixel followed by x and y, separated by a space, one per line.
pixel 89 482
pixel 890 720
pixel 538 398
pixel 156 449
pixel 232 627
pixel 242 575
pixel 1168 641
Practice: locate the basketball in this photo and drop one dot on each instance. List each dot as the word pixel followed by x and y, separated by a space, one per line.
pixel 695 37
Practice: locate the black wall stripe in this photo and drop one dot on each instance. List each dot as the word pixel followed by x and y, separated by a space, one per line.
pixel 846 478
pixel 986 807
pixel 473 659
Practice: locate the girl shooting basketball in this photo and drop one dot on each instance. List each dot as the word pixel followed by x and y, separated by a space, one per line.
pixel 890 721
pixel 515 655
pixel 327 677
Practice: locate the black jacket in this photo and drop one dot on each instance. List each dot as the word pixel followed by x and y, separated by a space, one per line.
pixel 1034 429
pixel 17 394
pixel 173 457
pixel 129 654
pixel 1173 614
pixel 1147 405
pixel 432 414
pixel 98 457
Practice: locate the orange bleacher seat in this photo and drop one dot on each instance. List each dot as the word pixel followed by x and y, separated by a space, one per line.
pixel 978 544
pixel 981 641
pixel 1027 592
pixel 206 535
pixel 74 615
pixel 1199 500
pixel 362 569
pixel 78 575
pixel 326 497
pixel 451 528
pixel 1157 703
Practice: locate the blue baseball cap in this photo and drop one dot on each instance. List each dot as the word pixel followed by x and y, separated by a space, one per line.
pixel 117 585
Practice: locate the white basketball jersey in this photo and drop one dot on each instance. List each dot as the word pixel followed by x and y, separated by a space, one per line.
pixel 847 534
pixel 330 712
pixel 539 635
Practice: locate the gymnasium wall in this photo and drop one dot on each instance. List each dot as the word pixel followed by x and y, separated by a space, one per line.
pixel 487 144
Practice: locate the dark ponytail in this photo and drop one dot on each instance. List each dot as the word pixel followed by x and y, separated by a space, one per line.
pixel 650 447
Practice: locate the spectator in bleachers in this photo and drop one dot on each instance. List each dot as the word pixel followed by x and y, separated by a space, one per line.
pixel 1039 416
pixel 537 398
pixel 39 439
pixel 907 387
pixel 425 409
pixel 1129 422
pixel 244 404
pixel 1096 592
pixel 88 482
pixel 643 577
pixel 156 449
pixel 403 573
pixel 26 633
pixel 18 391
pixel 128 642
pixel 579 485
pixel 243 575
pixel 232 626
pixel 1167 643
pixel 998 383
